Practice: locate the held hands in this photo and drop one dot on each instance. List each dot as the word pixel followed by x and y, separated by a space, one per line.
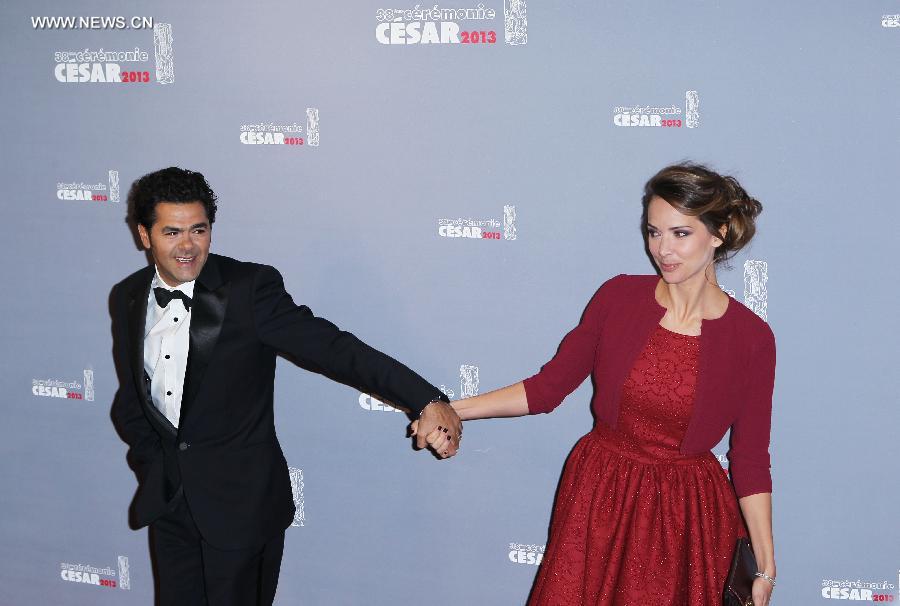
pixel 439 428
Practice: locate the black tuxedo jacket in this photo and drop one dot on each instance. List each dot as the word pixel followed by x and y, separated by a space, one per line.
pixel 224 457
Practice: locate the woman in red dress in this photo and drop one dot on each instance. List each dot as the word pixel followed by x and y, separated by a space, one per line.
pixel 644 514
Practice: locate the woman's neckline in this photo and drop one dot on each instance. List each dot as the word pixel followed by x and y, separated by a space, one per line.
pixel 680 334
pixel 702 321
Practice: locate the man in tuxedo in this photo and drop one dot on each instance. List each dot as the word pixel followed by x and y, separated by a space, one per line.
pixel 195 337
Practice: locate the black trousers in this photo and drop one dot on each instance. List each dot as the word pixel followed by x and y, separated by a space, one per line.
pixel 190 572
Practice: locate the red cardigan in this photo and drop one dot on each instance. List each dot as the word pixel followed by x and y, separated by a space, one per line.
pixel 735 379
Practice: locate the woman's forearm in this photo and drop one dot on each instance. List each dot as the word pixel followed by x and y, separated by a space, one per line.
pixel 508 401
pixel 757 510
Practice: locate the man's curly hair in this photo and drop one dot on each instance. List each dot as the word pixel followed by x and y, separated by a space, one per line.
pixel 171 184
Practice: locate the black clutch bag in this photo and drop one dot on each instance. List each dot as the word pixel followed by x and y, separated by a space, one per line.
pixel 739 583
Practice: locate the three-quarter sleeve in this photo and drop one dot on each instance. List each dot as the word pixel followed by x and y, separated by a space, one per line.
pixel 574 359
pixel 749 450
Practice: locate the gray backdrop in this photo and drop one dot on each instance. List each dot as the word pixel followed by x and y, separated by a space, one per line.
pixel 404 146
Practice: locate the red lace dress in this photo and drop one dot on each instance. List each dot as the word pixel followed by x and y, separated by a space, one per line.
pixel 637 523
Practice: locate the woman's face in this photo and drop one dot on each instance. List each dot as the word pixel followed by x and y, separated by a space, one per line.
pixel 681 245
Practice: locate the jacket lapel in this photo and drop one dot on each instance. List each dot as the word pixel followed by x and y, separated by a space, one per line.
pixel 207 315
pixel 137 319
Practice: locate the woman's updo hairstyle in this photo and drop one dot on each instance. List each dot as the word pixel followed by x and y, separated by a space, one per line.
pixel 716 200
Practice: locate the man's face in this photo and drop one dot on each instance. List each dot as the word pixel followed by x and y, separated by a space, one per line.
pixel 178 240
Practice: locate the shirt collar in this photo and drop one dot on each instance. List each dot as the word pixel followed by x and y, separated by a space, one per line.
pixel 187 288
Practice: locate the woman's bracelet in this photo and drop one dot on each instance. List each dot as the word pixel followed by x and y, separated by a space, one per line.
pixel 763 575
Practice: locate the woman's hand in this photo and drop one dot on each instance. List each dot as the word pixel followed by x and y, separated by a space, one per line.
pixel 757 510
pixel 438 440
pixel 761 592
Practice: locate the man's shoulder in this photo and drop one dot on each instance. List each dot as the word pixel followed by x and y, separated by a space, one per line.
pixel 134 280
pixel 236 269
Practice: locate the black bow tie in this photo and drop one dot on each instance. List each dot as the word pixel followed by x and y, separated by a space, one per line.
pixel 163 297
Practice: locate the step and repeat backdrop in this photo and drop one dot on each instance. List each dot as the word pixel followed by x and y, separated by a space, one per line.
pixel 450 182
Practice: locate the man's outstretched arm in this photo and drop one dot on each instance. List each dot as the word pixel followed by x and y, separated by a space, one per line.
pixel 315 342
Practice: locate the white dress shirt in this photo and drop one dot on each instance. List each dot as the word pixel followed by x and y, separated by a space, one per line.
pixel 166 342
